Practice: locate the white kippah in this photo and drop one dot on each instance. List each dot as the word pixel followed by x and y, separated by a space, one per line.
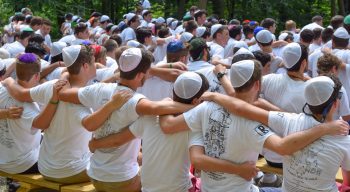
pixel 160 20
pixel 70 54
pixel 342 33
pixel 241 72
pixel 187 85
pixel 57 47
pixel 168 20
pixel 130 59
pixel 129 16
pixel 104 18
pixel 240 44
pixel 173 24
pixel 133 43
pixel 215 28
pixel 264 36
pixel 200 31
pixel 243 51
pixel 291 54
pixel 4 54
pixel 282 36
pixel 186 37
pixel 318 90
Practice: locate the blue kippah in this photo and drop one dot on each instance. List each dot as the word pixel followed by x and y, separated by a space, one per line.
pixel 175 46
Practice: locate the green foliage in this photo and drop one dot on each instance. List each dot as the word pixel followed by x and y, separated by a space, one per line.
pixel 280 10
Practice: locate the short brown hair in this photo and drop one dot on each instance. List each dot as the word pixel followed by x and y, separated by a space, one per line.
pixel 174 57
pixel 25 71
pixel 326 62
pixel 119 51
pixel 85 56
pixel 143 67
pixel 36 21
pixel 255 77
pixel 47 22
pixel 290 24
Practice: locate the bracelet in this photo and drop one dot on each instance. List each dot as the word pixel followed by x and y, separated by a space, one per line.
pixel 54 102
pixel 170 65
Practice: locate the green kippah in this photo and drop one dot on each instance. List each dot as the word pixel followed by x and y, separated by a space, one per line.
pixel 187 18
pixel 28 29
pixel 197 43
pixel 347 20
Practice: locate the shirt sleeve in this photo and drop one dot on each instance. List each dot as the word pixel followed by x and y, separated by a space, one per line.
pixel 344 104
pixel 193 117
pixel 42 93
pixel 195 138
pixel 94 95
pixel 278 123
pixel 137 128
pixel 258 136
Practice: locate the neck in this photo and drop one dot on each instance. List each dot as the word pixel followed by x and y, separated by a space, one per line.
pixel 328 118
pixel 132 84
pixel 219 43
pixel 24 84
pixel 266 49
pixel 111 55
pixel 78 80
pixel 297 76
pixel 246 96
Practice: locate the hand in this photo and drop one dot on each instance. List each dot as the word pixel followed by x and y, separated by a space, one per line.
pixel 56 88
pixel 337 127
pixel 207 96
pixel 179 65
pixel 219 68
pixel 91 145
pixel 14 112
pixel 8 81
pixel 248 170
pixel 120 98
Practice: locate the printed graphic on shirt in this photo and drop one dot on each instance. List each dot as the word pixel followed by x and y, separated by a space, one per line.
pixel 304 164
pixel 214 137
pixel 261 130
pixel 104 131
pixel 215 86
pixel 5 138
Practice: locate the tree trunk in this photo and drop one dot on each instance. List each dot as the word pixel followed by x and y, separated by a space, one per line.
pixel 219 7
pixel 333 7
pixel 202 4
pixel 341 7
pixel 181 8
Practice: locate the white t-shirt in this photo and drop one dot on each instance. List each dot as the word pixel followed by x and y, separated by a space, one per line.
pixel 313 47
pixel 156 89
pixel 47 38
pixel 55 74
pixel 314 167
pixel 14 48
pixel 312 62
pixel 343 54
pixel 214 83
pixel 19 141
pixel 229 48
pixel 110 62
pixel 8 62
pixel 68 39
pixel 285 93
pixel 197 65
pixel 64 150
pixel 161 50
pixel 254 47
pixel 128 34
pixel 165 158
pixel 112 164
pixel 217 50
pixel 104 73
pixel 344 77
pixel 228 137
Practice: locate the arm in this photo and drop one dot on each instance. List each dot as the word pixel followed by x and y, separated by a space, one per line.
pixel 225 82
pixel 11 113
pixel 296 141
pixel 9 70
pixel 279 43
pixel 203 162
pixel 238 107
pixel 113 140
pixel 147 107
pixel 173 124
pixel 96 119
pixel 43 120
pixel 165 74
pixel 346 177
pixel 264 104
pixel 69 95
pixel 114 78
pixel 47 70
pixel 217 61
pixel 16 91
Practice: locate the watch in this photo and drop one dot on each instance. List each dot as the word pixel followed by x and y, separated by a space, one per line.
pixel 220 75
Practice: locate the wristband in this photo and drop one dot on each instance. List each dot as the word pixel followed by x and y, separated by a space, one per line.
pixel 54 102
pixel 170 65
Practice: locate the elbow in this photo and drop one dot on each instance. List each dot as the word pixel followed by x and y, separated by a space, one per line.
pixel 196 161
pixel 88 126
pixel 166 129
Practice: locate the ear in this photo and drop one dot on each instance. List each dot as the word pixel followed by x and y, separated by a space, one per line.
pixel 196 101
pixel 139 76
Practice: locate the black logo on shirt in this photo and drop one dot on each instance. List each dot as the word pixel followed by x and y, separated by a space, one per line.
pixel 261 130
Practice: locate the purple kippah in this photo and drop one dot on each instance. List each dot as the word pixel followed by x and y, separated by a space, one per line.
pixel 27 58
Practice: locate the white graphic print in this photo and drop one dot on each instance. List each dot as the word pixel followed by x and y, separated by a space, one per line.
pixel 5 138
